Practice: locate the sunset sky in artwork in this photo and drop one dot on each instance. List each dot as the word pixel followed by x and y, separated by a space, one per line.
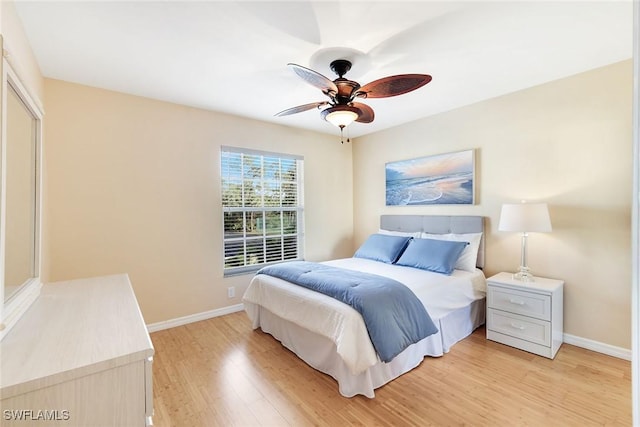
pixel 442 164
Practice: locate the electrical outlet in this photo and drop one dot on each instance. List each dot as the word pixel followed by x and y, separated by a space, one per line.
pixel 231 292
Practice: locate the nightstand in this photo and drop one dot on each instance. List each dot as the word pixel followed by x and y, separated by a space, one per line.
pixel 525 315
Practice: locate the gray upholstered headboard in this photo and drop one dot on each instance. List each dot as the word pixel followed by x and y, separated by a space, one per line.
pixel 437 224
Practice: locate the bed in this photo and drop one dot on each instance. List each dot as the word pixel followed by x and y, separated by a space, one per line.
pixel 331 336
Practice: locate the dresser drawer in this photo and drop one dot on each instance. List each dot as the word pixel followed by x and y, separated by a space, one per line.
pixel 519 302
pixel 532 330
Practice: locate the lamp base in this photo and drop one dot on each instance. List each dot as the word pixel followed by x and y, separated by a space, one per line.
pixel 524 275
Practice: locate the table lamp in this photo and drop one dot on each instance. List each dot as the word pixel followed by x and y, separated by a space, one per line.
pixel 524 218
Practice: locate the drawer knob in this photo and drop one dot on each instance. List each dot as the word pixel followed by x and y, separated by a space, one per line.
pixel 515 301
pixel 516 326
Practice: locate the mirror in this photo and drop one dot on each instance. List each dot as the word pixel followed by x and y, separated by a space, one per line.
pixel 20 197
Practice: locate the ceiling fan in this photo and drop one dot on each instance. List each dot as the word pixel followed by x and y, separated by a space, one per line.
pixel 342 92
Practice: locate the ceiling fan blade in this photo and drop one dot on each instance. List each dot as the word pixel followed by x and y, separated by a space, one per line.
pixel 314 78
pixel 366 113
pixel 393 85
pixel 301 108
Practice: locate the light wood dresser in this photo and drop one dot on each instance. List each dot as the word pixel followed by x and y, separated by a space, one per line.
pixel 80 356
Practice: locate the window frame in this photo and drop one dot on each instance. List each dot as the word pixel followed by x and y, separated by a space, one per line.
pixel 264 209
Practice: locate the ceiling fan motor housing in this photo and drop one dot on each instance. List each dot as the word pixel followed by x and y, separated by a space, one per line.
pixel 346 89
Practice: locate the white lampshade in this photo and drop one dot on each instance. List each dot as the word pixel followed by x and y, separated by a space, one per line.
pixel 340 115
pixel 525 217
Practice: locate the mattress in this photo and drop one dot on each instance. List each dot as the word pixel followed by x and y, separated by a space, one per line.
pixel 331 336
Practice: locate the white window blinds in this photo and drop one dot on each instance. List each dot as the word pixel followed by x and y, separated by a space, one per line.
pixel 262 207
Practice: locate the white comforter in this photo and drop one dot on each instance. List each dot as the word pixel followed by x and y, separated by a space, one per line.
pixel 342 324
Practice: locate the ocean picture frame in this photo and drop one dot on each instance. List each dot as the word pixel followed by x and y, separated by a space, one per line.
pixel 440 179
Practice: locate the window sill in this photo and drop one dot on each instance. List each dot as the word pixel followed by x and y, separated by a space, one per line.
pixel 251 269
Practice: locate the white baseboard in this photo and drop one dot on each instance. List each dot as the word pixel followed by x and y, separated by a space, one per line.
pixel 610 350
pixel 172 323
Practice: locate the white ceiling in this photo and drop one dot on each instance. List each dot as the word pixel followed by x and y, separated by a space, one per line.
pixel 231 56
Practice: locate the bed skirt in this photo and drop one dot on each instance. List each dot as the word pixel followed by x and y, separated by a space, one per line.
pixel 320 352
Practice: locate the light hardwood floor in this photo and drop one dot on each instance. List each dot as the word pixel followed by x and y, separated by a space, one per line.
pixel 219 372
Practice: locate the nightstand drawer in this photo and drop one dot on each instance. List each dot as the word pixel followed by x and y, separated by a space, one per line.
pixel 519 302
pixel 532 330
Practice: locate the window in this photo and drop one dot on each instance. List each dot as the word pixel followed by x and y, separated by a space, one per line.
pixel 262 208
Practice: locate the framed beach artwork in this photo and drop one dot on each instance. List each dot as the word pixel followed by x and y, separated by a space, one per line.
pixel 441 179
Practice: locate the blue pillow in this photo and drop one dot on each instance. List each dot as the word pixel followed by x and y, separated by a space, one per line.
pixel 439 256
pixel 381 247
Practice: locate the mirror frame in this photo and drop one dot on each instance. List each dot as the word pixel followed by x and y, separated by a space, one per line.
pixel 15 306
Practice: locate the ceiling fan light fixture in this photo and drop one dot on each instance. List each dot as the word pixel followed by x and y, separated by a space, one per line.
pixel 340 115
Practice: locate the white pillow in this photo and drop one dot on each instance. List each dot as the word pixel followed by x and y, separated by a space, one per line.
pixel 414 234
pixel 469 256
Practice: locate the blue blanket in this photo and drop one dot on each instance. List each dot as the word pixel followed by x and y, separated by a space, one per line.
pixel 394 316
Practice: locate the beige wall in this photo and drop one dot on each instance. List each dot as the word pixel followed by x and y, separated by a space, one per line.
pixel 133 186
pixel 568 143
